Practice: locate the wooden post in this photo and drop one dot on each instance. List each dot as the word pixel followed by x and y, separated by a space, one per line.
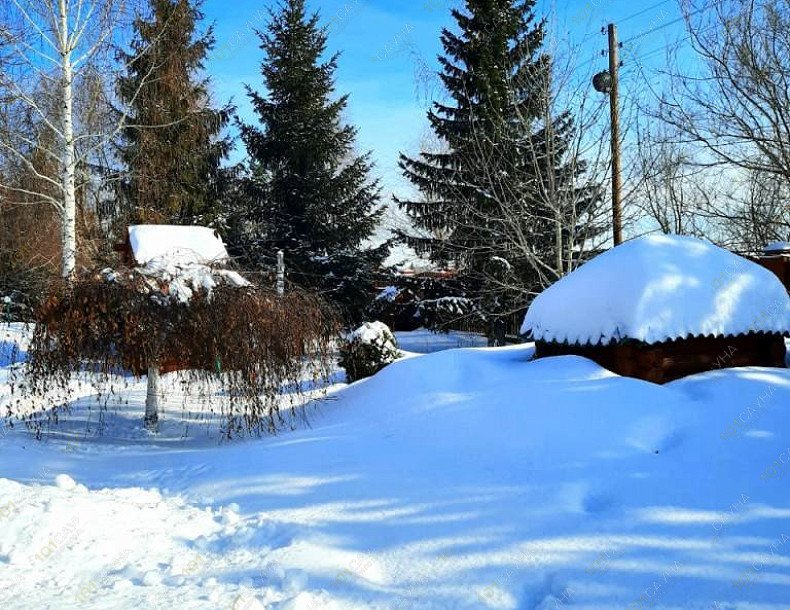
pixel 614 101
pixel 152 398
pixel 280 273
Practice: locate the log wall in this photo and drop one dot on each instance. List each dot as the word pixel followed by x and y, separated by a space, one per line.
pixel 664 362
pixel 779 264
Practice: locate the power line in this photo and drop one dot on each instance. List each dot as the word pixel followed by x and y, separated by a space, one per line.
pixel 643 34
pixel 673 22
pixel 624 20
pixel 656 29
pixel 643 11
pixel 653 30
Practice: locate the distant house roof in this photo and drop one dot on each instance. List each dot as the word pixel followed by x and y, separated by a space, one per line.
pixel 187 244
pixel 660 288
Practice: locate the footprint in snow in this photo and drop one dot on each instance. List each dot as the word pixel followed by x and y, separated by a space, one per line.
pixel 550 594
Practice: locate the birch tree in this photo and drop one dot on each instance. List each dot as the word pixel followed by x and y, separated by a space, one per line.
pixel 58 53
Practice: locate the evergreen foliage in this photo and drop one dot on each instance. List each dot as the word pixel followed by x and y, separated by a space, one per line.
pixel 172 145
pixel 307 193
pixel 498 153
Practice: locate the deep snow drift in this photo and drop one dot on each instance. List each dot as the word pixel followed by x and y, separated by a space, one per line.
pixel 465 479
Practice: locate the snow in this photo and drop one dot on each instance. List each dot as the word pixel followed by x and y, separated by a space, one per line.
pixel 371 333
pixel 175 274
pixel 467 479
pixel 659 288
pixel 424 341
pixel 184 278
pixel 389 294
pixel 778 247
pixel 451 305
pixel 189 244
pixel 14 343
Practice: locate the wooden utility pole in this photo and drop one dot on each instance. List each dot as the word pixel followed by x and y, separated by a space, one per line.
pixel 614 107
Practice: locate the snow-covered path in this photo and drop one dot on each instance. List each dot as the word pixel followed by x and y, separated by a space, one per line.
pixel 462 479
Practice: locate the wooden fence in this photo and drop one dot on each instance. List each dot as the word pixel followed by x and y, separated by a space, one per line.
pixel 506 329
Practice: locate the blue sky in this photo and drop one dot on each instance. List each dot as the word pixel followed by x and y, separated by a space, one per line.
pixel 384 41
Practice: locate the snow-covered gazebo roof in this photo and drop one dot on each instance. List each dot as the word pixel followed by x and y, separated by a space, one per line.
pixel 660 288
pixel 187 244
pixel 178 261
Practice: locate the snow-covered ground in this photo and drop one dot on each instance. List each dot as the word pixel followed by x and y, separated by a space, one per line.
pixel 463 479
pixel 426 342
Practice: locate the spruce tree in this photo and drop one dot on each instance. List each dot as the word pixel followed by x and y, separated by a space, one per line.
pixel 307 193
pixel 172 146
pixel 491 128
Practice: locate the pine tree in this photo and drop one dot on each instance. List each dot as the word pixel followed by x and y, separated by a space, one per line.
pixel 308 194
pixel 494 136
pixel 172 146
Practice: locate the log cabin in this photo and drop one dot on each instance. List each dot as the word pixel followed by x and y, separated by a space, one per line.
pixel 776 257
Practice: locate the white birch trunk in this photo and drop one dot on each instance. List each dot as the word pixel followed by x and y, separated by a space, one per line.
pixel 68 158
pixel 152 398
pixel 280 273
pixel 50 44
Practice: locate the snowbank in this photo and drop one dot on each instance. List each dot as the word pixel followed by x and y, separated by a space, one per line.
pixel 469 479
pixel 659 288
pixel 188 244
pixel 114 548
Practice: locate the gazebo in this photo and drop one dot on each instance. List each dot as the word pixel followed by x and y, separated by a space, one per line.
pixel 174 304
pixel 185 244
pixel 662 307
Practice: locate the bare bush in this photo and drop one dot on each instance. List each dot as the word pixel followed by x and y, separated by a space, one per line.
pixel 243 343
pixel 728 113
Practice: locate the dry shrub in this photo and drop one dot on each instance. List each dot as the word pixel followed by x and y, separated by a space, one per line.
pixel 30 251
pixel 247 343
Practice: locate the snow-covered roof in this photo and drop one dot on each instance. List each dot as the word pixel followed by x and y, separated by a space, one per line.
pixel 659 288
pixel 187 244
pixel 778 247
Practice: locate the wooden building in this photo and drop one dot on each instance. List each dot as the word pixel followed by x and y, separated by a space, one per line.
pixel 187 244
pixel 662 307
pixel 776 257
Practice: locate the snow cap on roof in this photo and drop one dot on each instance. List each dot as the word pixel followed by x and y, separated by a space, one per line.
pixel 187 244
pixel 778 247
pixel 660 288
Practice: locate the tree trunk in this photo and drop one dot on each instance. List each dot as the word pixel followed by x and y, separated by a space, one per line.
pixel 68 157
pixel 152 399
